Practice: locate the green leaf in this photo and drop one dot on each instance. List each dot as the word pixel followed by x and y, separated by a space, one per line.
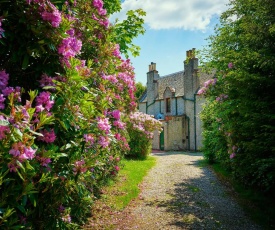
pixel 22 209
pixel 17 134
pixel 4 123
pixel 36 133
pixel 25 61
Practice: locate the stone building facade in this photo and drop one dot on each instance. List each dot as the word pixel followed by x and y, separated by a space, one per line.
pixel 173 99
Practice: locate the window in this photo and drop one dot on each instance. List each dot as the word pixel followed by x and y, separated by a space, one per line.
pixel 168 105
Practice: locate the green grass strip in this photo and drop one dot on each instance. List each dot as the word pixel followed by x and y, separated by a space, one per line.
pixel 125 188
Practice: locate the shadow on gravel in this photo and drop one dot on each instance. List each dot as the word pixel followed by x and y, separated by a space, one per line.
pixel 163 153
pixel 202 202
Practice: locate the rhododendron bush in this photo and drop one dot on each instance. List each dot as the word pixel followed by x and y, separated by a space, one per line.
pixel 63 87
pixel 141 128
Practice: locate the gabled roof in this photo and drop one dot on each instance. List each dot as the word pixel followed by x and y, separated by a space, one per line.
pixel 174 81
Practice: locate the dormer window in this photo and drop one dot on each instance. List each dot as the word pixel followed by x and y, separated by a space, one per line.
pixel 168 105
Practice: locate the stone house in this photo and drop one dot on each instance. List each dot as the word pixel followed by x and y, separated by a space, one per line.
pixel 173 99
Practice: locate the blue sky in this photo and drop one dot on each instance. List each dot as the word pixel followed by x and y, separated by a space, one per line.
pixel 172 28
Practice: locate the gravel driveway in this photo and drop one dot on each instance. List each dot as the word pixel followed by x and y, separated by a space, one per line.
pixel 179 194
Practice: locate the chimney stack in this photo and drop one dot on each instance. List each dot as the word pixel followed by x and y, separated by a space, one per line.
pixel 152 67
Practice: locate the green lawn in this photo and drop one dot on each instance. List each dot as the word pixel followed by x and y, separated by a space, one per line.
pixel 125 187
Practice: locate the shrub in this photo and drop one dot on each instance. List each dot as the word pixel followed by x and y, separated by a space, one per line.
pixel 140 128
pixel 63 85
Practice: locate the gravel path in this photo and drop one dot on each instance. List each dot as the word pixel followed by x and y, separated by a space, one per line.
pixel 179 194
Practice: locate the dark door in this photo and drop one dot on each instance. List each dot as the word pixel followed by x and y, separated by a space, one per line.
pixel 161 141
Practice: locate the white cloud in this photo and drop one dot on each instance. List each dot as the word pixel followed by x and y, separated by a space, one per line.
pixel 171 14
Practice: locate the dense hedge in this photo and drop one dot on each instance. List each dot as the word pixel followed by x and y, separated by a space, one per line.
pixel 239 117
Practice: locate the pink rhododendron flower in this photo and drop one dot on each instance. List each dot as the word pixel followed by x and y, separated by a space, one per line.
pixel 232 155
pixel 103 141
pixel 4 130
pixel 1 29
pixel 27 154
pixel 98 4
pixel 79 167
pixel 13 167
pixel 2 100
pixel 48 136
pixel 230 65
pixel 69 47
pixel 103 124
pixel 43 99
pixel 51 14
pixel 46 81
pixel 116 52
pixel 117 168
pixel 67 218
pixel 117 136
pixel 116 114
pixel 44 161
pixel 119 124
pixel 89 138
pixel 4 78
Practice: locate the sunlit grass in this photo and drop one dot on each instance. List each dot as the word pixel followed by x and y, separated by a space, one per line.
pixel 125 188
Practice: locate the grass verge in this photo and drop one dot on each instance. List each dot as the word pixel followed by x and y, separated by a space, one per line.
pixel 125 187
pixel 259 206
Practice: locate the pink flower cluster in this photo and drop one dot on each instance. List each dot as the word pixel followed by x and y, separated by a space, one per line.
pixel 22 152
pixel 1 29
pixel 46 81
pixel 43 101
pixel 222 97
pixel 69 47
pixel 6 91
pixel 44 161
pixel 116 114
pixel 232 151
pixel 111 78
pixel 145 123
pixel 4 130
pixel 116 51
pixel 98 4
pixel 79 167
pixel 48 136
pixel 207 85
pixel 103 124
pixel 103 141
pixel 51 14
pixel 89 139
pixel 230 65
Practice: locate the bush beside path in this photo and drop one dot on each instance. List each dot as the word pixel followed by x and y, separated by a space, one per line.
pixel 180 194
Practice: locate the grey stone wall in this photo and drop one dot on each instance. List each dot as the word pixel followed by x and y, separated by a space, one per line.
pixel 174 131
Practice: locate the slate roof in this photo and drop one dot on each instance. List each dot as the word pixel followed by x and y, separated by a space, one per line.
pixel 175 81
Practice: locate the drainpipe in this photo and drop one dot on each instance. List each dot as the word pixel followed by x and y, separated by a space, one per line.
pixel 195 123
pixel 176 106
pixel 147 106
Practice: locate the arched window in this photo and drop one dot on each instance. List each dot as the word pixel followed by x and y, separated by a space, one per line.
pixel 168 105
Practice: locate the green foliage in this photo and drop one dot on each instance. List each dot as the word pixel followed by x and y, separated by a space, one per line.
pixel 127 30
pixel 140 89
pixel 239 119
pixel 63 88
pixel 141 129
